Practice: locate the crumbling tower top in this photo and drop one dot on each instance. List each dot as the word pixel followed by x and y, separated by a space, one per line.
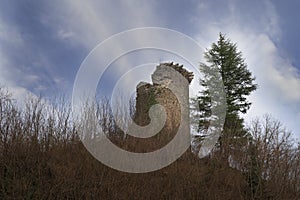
pixel 188 75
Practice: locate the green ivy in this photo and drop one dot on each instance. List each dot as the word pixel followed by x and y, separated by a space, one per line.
pixel 151 100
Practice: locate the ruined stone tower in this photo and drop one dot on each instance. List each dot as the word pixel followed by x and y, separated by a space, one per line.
pixel 168 80
pixel 157 93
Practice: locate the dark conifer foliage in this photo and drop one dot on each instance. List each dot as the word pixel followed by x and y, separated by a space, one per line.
pixel 224 57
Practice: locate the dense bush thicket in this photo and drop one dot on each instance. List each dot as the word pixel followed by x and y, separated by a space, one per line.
pixel 41 157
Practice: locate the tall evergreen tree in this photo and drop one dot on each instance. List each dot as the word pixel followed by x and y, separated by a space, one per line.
pixel 238 81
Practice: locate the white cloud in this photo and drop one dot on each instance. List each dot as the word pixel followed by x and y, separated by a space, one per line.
pixel 271 20
pixel 64 34
pixel 89 22
pixel 9 75
pixel 10 33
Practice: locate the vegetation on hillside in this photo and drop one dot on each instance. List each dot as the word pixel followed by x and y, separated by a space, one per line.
pixel 41 157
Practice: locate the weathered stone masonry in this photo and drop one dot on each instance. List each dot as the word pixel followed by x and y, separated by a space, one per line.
pixel 150 94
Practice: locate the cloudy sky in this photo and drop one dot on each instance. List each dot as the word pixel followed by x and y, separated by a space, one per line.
pixel 43 43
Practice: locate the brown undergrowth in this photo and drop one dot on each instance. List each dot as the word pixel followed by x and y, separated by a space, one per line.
pixel 41 157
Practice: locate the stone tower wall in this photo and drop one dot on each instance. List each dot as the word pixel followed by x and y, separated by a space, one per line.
pixel 150 94
pixel 159 93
